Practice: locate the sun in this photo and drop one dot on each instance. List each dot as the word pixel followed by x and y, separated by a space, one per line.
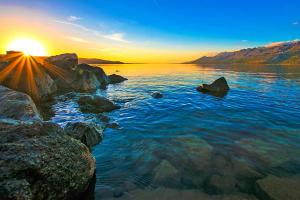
pixel 27 46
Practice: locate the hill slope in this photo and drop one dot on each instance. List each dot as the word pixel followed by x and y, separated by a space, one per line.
pixel 97 61
pixel 281 53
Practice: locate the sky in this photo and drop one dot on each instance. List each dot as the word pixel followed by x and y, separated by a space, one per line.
pixel 151 31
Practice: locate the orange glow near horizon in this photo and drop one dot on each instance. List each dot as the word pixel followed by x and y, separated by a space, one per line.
pixel 28 46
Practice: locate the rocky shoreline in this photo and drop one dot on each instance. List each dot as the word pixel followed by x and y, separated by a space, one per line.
pixel 39 159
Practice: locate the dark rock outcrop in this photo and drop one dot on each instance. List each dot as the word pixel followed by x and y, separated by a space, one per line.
pixel 156 95
pixel 88 133
pixel 38 161
pixel 96 104
pixel 218 88
pixel 89 78
pixel 67 61
pixel 114 78
pixel 17 106
pixel 68 75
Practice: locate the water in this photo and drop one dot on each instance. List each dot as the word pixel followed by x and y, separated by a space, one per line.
pixel 192 145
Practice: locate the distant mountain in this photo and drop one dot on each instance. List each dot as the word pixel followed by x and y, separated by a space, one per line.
pixel 276 53
pixel 97 61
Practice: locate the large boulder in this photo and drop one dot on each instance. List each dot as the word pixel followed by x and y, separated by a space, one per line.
pixel 218 88
pixel 17 106
pixel 165 173
pixel 38 161
pixel 275 188
pixel 89 78
pixel 27 76
pixel 67 61
pixel 88 133
pixel 114 78
pixel 96 104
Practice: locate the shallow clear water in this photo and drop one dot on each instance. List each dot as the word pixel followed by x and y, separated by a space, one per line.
pixel 193 141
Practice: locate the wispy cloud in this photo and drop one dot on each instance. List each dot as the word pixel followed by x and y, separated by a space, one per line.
pixel 295 23
pixel 244 40
pixel 118 37
pixel 73 18
pixel 77 39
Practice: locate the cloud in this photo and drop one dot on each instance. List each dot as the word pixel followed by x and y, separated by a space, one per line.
pixel 77 39
pixel 118 37
pixel 73 18
pixel 244 40
pixel 295 23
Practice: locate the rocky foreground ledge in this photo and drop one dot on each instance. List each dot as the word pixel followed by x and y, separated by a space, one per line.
pixel 40 160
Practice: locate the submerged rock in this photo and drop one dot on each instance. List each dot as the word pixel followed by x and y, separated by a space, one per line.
pixel 165 172
pixel 38 161
pixel 17 106
pixel 263 150
pixel 276 188
pixel 156 95
pixel 103 118
pixel 218 88
pixel 96 104
pixel 114 78
pixel 88 133
pixel 113 125
pixel 175 194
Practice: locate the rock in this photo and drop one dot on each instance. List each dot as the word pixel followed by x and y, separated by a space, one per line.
pixel 164 173
pixel 28 77
pixel 38 161
pixel 222 183
pixel 197 152
pixel 103 118
pixel 90 77
pixel 175 194
pixel 88 133
pixel 17 106
pixel 218 88
pixel 118 192
pixel 262 150
pixel 68 75
pixel 114 78
pixel 96 104
pixel 67 61
pixel 156 95
pixel 113 125
pixel 276 188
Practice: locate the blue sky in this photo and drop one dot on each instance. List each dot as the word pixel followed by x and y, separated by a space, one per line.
pixel 205 25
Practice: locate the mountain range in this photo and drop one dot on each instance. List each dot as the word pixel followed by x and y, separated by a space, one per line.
pixel 276 53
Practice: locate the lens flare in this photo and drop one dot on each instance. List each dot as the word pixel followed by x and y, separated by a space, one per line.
pixel 27 46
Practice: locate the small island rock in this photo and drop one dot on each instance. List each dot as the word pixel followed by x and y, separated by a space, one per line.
pixel 156 95
pixel 96 104
pixel 218 88
pixel 114 78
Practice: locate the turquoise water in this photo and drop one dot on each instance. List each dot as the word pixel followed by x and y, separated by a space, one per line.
pixel 189 141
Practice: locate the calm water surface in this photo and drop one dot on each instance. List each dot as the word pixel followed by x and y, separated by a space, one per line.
pixel 192 144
